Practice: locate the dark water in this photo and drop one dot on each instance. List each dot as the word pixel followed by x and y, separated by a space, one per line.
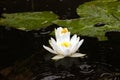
pixel 22 52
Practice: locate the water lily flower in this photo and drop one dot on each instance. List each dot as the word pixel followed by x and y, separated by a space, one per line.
pixel 64 46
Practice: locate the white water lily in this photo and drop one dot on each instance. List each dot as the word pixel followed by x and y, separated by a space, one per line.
pixel 64 46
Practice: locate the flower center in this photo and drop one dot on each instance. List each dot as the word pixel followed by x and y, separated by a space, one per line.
pixel 65 44
pixel 64 30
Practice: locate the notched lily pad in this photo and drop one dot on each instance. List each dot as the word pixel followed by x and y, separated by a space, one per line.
pixel 28 20
pixel 96 18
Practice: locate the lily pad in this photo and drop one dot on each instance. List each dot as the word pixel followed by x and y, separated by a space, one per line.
pixel 28 20
pixel 96 18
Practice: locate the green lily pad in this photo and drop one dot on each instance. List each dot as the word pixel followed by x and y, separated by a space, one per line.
pixel 98 9
pixel 96 18
pixel 28 20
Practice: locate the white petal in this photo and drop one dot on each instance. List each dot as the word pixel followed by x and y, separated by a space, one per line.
pixel 57 57
pixel 77 55
pixel 79 44
pixel 63 37
pixel 49 49
pixel 73 39
pixel 53 41
pixel 56 48
pixel 66 51
pixel 74 45
pixel 58 32
pixel 66 37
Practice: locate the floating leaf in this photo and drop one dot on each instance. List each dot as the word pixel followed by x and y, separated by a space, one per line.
pixel 28 20
pixel 96 18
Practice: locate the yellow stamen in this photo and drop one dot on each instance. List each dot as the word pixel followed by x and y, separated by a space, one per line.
pixel 64 30
pixel 65 44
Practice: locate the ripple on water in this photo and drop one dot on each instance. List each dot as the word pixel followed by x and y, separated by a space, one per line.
pixel 84 71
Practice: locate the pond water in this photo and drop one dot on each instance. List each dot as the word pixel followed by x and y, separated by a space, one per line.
pixel 22 56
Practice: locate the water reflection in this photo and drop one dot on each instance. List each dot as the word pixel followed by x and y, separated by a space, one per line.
pixel 84 71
